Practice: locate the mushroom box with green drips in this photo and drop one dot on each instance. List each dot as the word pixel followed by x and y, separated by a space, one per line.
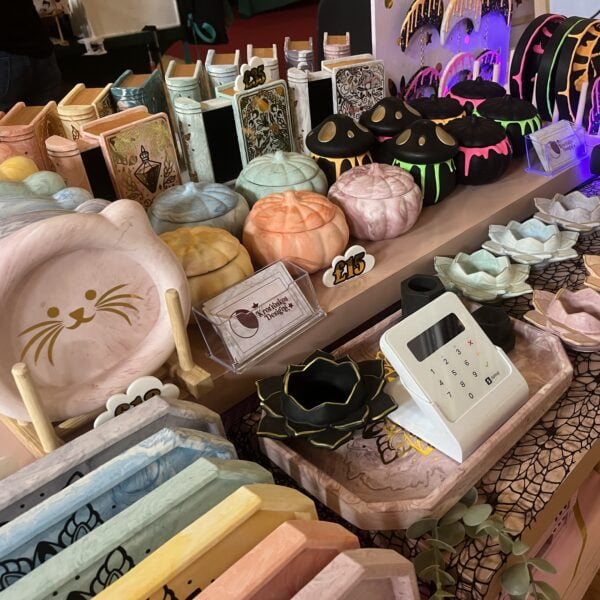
pixel 427 151
pixel 518 117
pixel 484 151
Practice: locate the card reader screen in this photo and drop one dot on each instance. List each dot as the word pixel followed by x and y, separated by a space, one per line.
pixel 432 339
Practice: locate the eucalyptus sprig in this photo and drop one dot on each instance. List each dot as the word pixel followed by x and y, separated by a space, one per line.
pixel 466 518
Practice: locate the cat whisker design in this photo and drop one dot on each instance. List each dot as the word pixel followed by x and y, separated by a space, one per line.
pixel 33 327
pixel 45 334
pixel 49 339
pixel 116 312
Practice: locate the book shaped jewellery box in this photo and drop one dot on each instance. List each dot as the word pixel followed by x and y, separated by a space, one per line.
pixel 90 564
pixel 45 530
pixel 48 475
pixel 191 560
pixel 458 387
pixel 82 105
pixel 364 574
pixel 284 562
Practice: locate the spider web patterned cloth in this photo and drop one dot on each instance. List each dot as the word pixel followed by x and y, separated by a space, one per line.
pixel 522 483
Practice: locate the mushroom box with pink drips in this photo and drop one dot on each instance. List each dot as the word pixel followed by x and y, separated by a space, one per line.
pixel 484 151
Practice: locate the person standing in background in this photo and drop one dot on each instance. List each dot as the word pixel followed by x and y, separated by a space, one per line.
pixel 28 69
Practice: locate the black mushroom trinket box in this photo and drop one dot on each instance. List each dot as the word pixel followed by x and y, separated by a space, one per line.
pixel 427 151
pixel 439 110
pixel 476 91
pixel 518 117
pixel 388 117
pixel 484 152
pixel 338 144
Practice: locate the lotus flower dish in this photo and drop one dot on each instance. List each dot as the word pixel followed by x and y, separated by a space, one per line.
pixel 323 399
pixel 482 276
pixel 574 211
pixel 531 242
pixel 592 265
pixel 573 316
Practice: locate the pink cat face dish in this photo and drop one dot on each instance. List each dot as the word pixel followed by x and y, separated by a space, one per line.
pixel 572 316
pixel 380 201
pixel 82 303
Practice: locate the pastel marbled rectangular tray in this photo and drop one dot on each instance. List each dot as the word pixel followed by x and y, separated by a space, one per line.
pixel 364 574
pixel 32 484
pixel 285 561
pixel 69 515
pixel 91 564
pixel 385 478
pixel 188 562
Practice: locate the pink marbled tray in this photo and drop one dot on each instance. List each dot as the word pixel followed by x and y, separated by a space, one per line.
pixel 389 479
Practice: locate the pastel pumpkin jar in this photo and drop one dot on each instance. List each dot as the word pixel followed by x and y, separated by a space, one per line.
pixel 339 143
pixel 212 258
pixel 427 152
pixel 17 168
pixel 518 117
pixel 303 227
pixel 199 204
pixel 484 152
pixel 380 201
pixel 279 172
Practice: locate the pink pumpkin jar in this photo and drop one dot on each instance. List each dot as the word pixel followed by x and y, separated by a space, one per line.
pixel 380 201
pixel 301 226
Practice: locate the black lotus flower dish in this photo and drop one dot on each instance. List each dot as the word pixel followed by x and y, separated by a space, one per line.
pixel 323 399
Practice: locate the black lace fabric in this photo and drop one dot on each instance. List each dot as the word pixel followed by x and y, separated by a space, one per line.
pixel 522 483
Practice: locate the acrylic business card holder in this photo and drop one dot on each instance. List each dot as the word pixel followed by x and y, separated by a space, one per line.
pixel 552 157
pixel 246 324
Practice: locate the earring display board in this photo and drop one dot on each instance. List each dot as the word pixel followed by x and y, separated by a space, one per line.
pixel 55 471
pixel 189 561
pixel 91 564
pixel 93 19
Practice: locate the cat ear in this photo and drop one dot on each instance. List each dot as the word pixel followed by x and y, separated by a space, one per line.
pixel 127 215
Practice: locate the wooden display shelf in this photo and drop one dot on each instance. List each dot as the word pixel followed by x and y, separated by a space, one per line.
pixel 458 223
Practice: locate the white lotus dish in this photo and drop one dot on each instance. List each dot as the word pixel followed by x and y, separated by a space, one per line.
pixel 573 212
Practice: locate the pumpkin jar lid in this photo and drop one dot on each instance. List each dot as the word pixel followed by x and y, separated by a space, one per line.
pixel 202 249
pixel 379 181
pixel 292 212
pixel 424 142
pixel 281 168
pixel 389 116
pixel 507 108
pixel 476 132
pixel 438 108
pixel 194 202
pixel 339 136
pixel 476 89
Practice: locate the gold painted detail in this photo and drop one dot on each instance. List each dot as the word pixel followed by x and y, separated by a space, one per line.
pixel 327 132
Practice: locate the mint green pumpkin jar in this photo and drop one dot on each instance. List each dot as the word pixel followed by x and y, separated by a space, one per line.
pixel 280 172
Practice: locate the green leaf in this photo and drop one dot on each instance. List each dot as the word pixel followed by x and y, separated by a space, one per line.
pixel 420 528
pixel 470 497
pixel 546 591
pixel 471 531
pixel 454 514
pixel 519 596
pixel 506 543
pixel 477 514
pixel 426 559
pixel 519 548
pixel 541 564
pixel 441 545
pixel 441 594
pixel 452 534
pixel 446 578
pixel 489 527
pixel 516 579
pixel 430 573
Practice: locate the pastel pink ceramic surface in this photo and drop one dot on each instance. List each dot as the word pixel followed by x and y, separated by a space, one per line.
pixel 380 201
pixel 82 303
pixel 282 563
pixel 573 316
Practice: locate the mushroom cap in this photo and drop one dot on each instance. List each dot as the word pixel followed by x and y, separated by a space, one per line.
pixel 339 136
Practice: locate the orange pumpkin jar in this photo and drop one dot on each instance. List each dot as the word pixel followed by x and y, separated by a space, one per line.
pixel 300 226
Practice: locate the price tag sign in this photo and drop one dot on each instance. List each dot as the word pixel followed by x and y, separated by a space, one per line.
pixel 355 263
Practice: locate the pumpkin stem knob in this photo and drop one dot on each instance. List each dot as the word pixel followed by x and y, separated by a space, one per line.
pixel 279 156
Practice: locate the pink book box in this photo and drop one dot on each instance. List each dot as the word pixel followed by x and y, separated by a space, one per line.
pixel 25 130
pixel 139 152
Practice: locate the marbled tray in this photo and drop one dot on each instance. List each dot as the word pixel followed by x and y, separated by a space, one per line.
pixel 69 515
pixel 367 573
pixel 283 562
pixel 50 474
pixel 369 485
pixel 91 564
